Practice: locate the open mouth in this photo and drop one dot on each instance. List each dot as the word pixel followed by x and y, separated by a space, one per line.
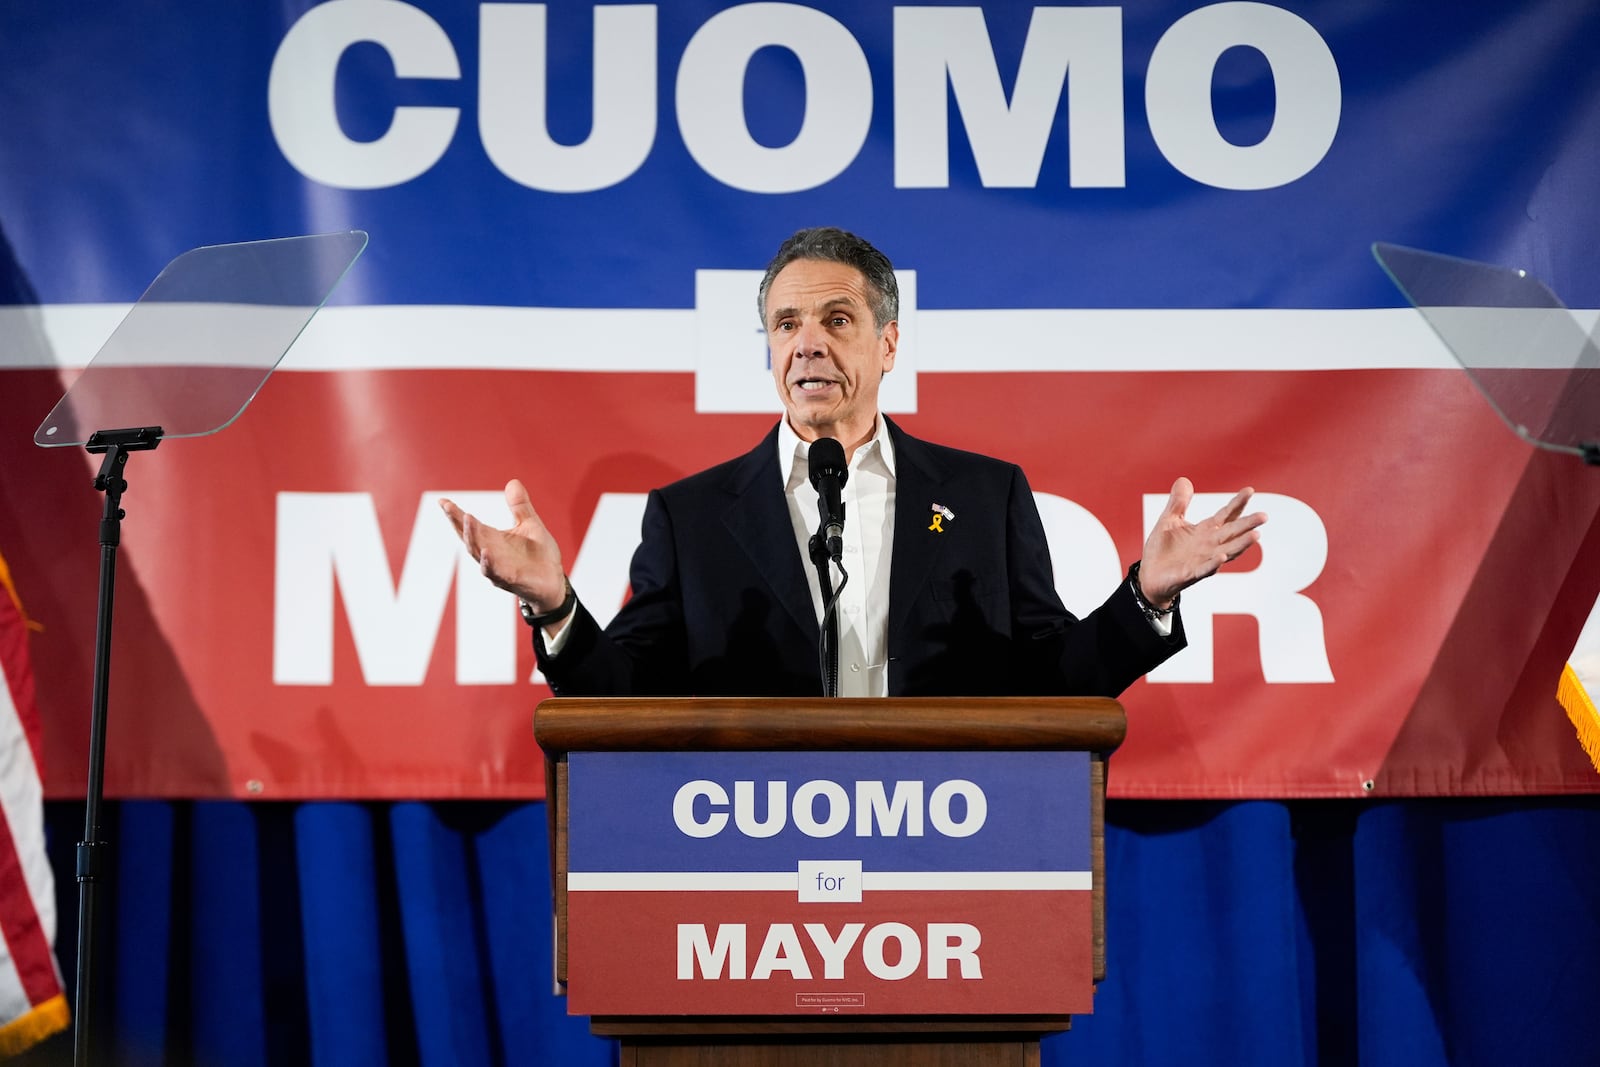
pixel 813 385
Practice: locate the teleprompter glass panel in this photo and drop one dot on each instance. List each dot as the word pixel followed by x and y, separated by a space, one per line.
pixel 200 342
pixel 1528 354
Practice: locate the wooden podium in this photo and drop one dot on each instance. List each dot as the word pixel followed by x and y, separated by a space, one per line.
pixel 1014 774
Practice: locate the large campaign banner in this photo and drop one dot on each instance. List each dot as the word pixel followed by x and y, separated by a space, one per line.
pixel 1134 244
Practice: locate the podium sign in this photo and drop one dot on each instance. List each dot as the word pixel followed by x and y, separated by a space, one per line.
pixel 829 882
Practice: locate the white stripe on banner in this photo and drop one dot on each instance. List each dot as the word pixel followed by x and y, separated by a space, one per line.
pixel 418 337
pixel 583 339
pixel 788 881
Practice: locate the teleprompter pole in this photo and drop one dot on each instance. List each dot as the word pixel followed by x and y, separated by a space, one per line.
pixel 115 445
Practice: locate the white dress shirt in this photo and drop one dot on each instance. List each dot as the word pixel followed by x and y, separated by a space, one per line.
pixel 868 547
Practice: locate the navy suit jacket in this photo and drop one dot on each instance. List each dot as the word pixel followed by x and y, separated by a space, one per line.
pixel 721 605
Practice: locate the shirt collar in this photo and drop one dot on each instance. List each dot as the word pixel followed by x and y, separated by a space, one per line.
pixel 793 453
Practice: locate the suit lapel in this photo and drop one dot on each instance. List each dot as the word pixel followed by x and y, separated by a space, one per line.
pixel 918 481
pixel 758 519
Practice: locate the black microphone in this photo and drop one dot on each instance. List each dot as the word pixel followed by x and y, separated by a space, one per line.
pixel 828 475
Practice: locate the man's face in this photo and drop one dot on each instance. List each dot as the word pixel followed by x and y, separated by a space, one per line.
pixel 827 354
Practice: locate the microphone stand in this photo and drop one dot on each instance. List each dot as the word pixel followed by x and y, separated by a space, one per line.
pixel 828 640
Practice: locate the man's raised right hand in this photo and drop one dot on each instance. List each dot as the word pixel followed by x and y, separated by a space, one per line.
pixel 524 560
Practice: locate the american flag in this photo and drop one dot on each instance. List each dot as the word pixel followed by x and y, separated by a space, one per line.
pixel 32 1004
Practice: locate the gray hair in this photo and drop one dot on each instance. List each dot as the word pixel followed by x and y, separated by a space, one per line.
pixel 833 245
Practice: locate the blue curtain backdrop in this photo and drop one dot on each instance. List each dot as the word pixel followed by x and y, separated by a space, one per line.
pixel 1259 932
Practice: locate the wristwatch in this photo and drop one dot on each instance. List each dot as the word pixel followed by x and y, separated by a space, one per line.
pixel 558 613
pixel 1151 612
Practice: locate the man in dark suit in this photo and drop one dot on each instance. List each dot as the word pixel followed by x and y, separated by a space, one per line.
pixel 953 594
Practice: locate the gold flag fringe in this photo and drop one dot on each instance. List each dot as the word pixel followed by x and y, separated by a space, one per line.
pixel 10 589
pixel 1581 710
pixel 25 1031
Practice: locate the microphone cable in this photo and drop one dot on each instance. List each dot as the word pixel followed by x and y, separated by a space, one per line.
pixel 830 613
